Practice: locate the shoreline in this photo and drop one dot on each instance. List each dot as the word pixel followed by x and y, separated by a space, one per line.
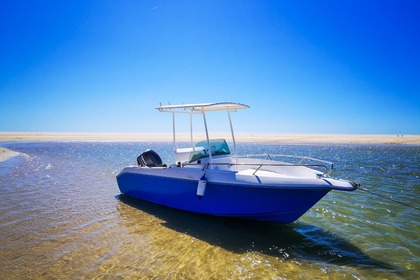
pixel 239 137
pixel 6 154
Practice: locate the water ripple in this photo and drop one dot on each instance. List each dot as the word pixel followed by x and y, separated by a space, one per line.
pixel 61 217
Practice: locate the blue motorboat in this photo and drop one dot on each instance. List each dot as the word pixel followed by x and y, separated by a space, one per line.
pixel 208 178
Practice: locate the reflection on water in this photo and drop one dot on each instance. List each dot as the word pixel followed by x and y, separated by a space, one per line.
pixel 297 241
pixel 61 216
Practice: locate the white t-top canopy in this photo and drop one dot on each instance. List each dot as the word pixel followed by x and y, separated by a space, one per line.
pixel 203 107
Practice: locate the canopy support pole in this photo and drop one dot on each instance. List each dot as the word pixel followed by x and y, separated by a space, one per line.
pixel 233 139
pixel 173 130
pixel 191 132
pixel 207 136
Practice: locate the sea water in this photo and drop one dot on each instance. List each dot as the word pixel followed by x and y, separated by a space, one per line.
pixel 62 216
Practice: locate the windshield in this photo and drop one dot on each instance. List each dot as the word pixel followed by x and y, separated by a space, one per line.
pixel 218 147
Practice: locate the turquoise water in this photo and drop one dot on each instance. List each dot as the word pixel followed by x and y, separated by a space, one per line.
pixel 61 216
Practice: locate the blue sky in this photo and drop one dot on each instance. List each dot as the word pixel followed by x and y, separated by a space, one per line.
pixel 302 66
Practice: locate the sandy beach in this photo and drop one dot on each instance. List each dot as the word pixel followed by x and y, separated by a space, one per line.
pixel 240 137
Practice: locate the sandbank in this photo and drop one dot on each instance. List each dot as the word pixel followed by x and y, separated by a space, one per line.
pixel 6 154
pixel 240 137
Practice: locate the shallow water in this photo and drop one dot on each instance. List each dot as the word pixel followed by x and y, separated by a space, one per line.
pixel 61 216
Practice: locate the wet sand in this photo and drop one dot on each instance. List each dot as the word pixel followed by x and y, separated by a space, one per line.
pixel 6 154
pixel 240 137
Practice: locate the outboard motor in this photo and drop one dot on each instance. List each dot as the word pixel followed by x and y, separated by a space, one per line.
pixel 150 159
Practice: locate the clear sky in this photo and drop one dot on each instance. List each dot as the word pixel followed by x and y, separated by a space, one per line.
pixel 302 66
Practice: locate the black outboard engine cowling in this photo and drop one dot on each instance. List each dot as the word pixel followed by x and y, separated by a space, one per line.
pixel 150 159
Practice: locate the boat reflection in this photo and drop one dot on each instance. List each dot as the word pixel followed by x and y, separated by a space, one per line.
pixel 298 241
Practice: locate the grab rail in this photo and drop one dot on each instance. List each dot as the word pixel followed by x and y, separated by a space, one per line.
pixel 326 165
pixel 302 159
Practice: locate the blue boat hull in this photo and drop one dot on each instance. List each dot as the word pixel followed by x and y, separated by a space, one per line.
pixel 268 203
